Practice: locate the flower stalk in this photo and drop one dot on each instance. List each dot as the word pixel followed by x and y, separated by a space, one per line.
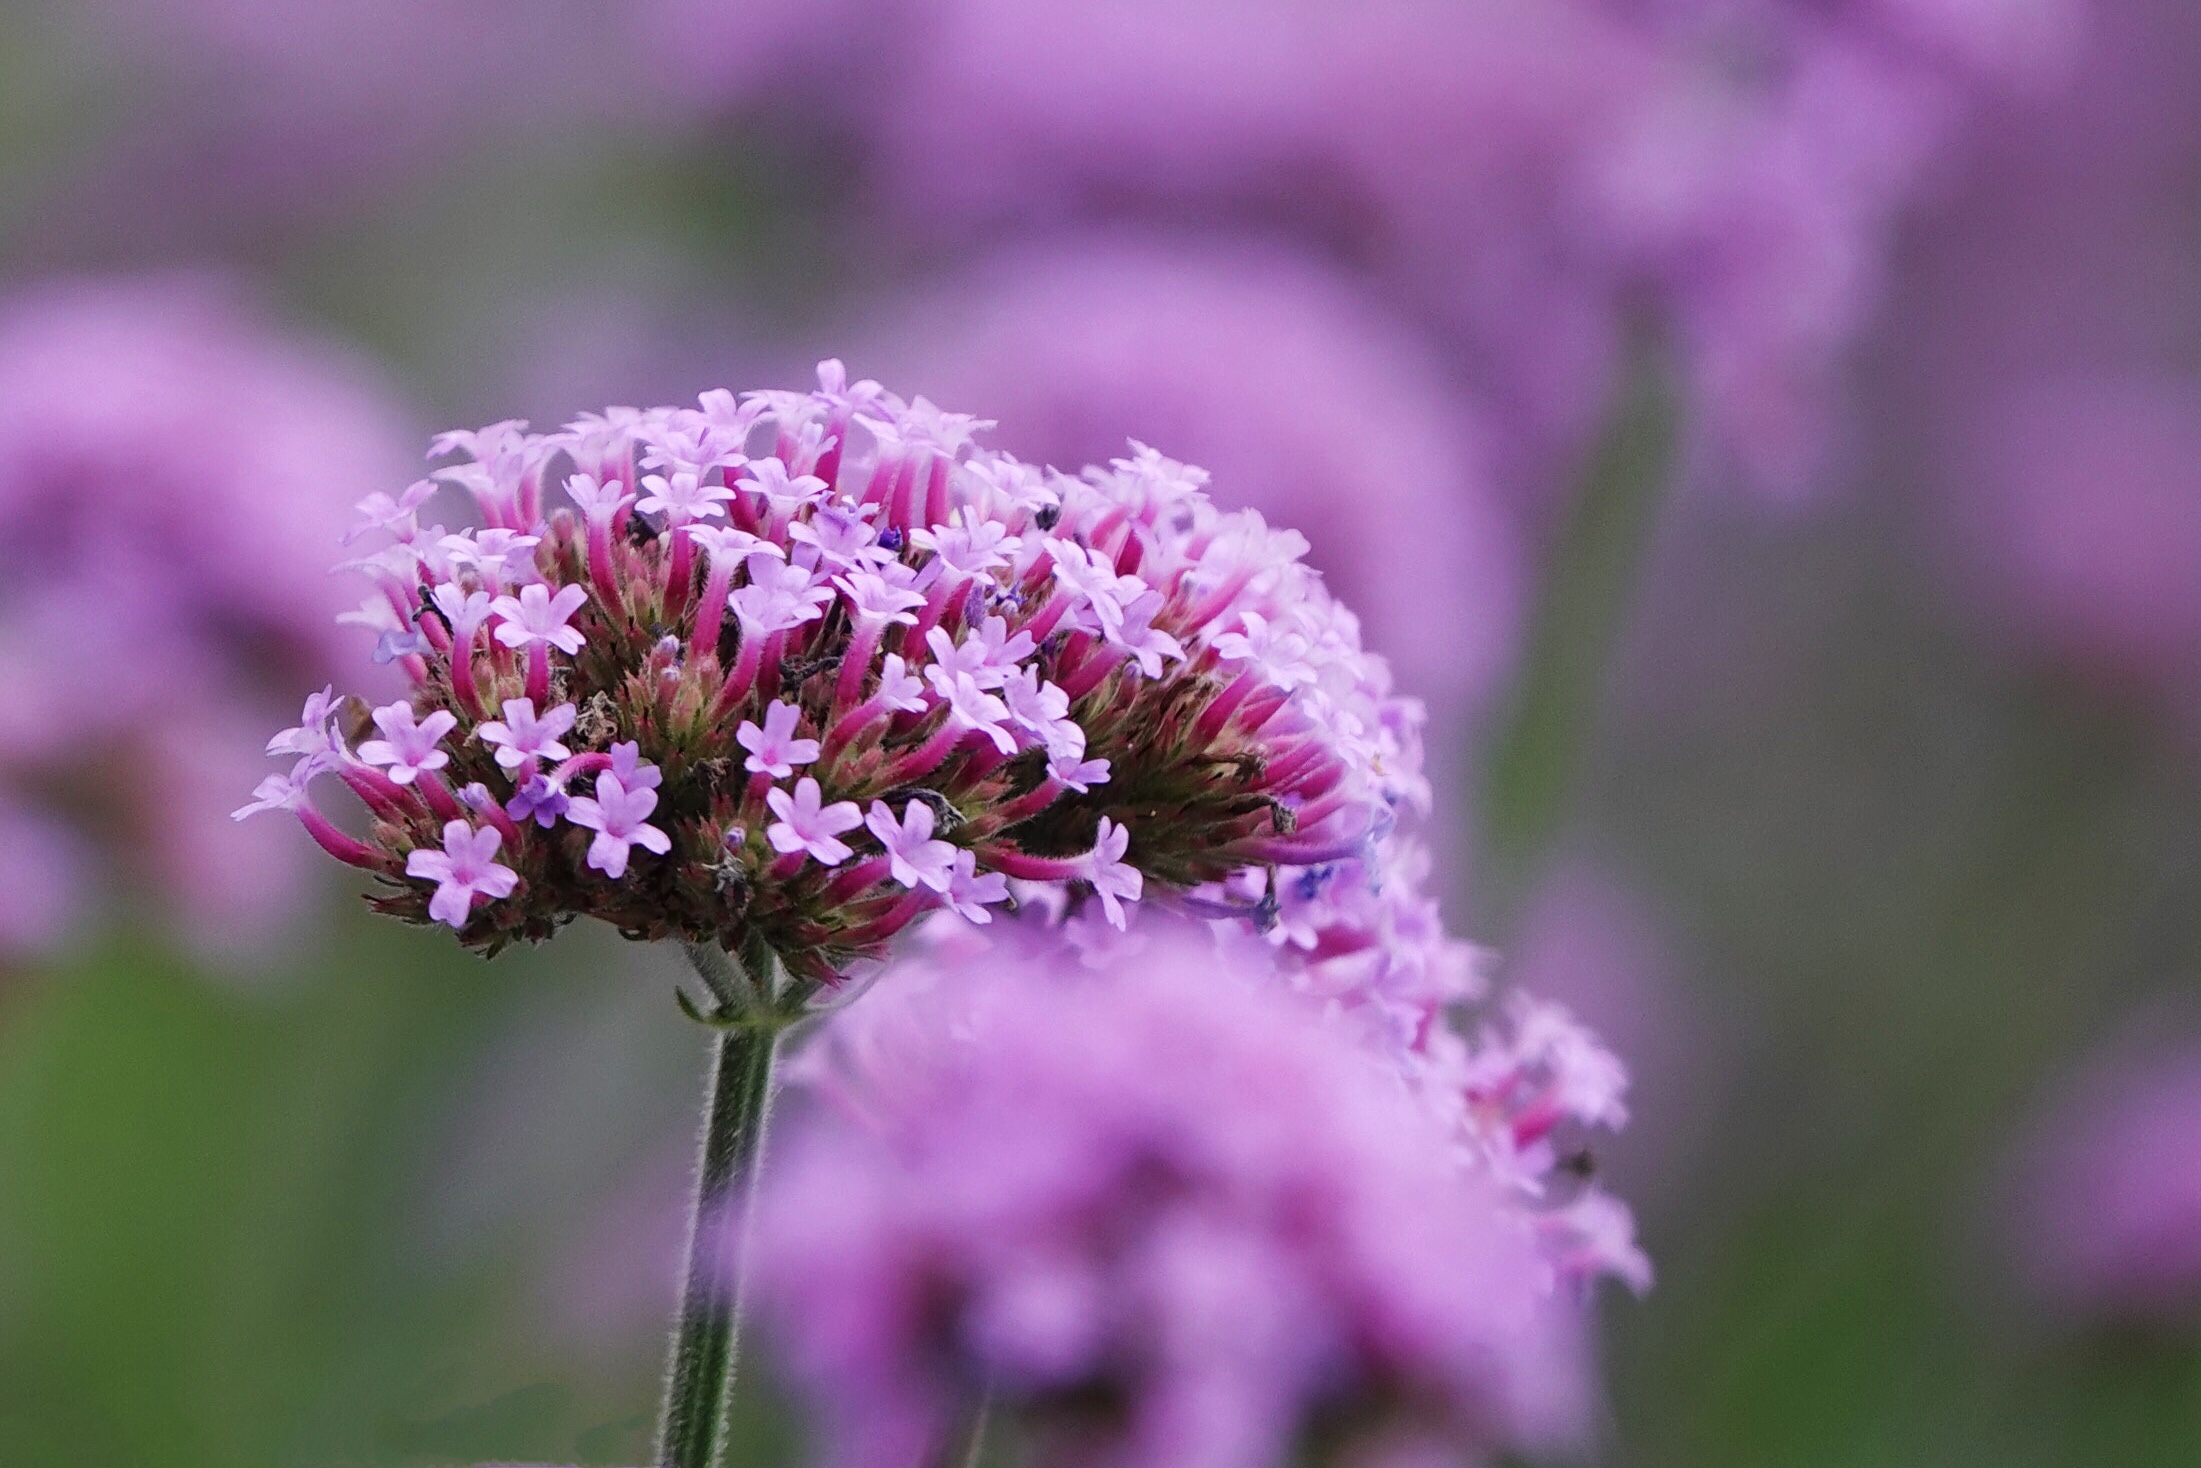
pixel 1537 763
pixel 965 1447
pixel 750 1017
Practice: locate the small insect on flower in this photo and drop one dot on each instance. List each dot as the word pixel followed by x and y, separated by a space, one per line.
pixel 799 667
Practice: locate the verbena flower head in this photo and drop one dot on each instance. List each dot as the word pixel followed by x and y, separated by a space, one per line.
pixel 1162 1215
pixel 801 666
pixel 172 468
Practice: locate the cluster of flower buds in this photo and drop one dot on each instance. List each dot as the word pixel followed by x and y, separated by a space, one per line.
pixel 797 667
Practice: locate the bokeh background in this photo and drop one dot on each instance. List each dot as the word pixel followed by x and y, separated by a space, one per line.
pixel 1767 432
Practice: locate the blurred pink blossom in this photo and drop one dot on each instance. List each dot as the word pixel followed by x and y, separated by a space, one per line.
pixel 171 467
pixel 225 115
pixel 1534 175
pixel 1169 1190
pixel 2109 1206
pixel 2039 370
pixel 2083 525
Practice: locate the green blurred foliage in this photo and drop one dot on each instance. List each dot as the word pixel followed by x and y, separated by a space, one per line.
pixel 1929 882
pixel 212 1238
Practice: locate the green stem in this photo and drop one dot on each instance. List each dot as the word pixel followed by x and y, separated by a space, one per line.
pixel 708 1338
pixel 1535 766
pixel 966 1446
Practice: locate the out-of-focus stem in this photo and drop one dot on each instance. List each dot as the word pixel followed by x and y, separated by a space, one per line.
pixel 1535 764
pixel 965 1446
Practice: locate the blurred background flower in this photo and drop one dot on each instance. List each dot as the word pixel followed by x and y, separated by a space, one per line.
pixel 2108 1220
pixel 1162 1215
pixel 225 122
pixel 171 465
pixel 1862 827
pixel 2047 393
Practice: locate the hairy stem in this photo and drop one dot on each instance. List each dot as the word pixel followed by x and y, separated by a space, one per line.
pixel 708 1335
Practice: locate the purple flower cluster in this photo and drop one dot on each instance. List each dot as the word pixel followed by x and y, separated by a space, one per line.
pixel 170 468
pixel 801 666
pixel 1159 1216
pixel 2043 381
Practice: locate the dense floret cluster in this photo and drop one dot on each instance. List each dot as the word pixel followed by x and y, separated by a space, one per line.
pixel 797 667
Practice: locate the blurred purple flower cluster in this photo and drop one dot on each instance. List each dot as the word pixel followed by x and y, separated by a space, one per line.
pixel 2108 1227
pixel 2044 382
pixel 1163 1215
pixel 1533 177
pixel 222 117
pixel 171 469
